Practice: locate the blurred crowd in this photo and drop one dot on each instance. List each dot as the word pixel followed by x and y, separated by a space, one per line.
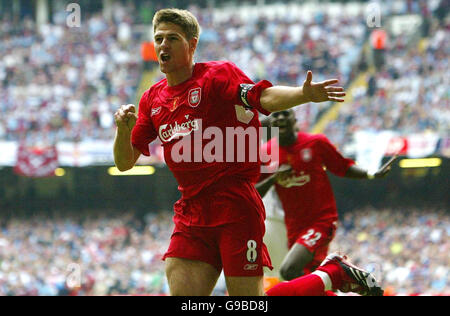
pixel 60 83
pixel 408 250
pixel 409 94
pixel 63 84
pixel 281 48
pixel 84 254
pixel 104 254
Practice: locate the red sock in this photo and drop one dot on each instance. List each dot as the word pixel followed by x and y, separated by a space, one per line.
pixel 334 270
pixel 330 293
pixel 308 285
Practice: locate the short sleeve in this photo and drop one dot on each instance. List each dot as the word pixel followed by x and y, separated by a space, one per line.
pixel 232 84
pixel 333 160
pixel 143 132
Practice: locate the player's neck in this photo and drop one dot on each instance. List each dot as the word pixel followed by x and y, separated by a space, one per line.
pixel 288 140
pixel 181 75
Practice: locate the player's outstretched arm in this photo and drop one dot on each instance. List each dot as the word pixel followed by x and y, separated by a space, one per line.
pixel 356 172
pixel 125 154
pixel 279 98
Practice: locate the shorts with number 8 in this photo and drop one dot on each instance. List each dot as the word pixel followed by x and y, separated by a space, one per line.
pixel 224 228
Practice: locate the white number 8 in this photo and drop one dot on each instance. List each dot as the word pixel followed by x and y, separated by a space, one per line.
pixel 252 254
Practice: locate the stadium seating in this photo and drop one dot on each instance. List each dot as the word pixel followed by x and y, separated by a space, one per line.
pixel 121 254
pixel 64 84
pixel 61 84
pixel 408 96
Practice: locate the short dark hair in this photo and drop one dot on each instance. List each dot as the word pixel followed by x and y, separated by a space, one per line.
pixel 183 18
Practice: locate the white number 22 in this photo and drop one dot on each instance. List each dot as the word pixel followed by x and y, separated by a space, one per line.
pixel 311 240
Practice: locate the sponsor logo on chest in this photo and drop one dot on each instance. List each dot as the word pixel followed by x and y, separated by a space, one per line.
pixel 168 132
pixel 294 180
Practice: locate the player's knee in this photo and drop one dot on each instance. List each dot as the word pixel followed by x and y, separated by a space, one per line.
pixel 290 271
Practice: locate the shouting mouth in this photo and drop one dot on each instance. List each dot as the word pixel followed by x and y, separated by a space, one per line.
pixel 164 57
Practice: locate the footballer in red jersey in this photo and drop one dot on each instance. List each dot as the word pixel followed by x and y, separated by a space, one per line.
pixel 181 116
pixel 305 191
pixel 201 112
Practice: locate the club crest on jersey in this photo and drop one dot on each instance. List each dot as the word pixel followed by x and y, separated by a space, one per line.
pixel 306 154
pixel 195 96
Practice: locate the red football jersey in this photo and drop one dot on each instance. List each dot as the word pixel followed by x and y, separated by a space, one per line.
pixel 306 195
pixel 193 120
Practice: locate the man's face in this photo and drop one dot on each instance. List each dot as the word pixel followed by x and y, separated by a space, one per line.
pixel 285 121
pixel 174 51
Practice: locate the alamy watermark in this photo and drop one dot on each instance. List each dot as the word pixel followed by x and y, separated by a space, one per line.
pixel 73 279
pixel 373 15
pixel 214 144
pixel 74 18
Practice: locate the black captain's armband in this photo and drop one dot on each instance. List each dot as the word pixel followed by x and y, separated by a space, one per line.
pixel 244 89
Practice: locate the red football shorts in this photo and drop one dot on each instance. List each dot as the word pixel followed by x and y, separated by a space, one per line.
pixel 317 238
pixel 223 227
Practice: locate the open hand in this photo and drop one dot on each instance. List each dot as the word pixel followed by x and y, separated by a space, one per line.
pixel 322 91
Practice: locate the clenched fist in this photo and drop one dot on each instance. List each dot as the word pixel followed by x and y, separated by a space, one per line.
pixel 126 117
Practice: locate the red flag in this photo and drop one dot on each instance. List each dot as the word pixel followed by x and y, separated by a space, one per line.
pixel 36 162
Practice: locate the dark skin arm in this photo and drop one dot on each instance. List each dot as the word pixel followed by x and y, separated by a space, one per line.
pixel 264 186
pixel 356 172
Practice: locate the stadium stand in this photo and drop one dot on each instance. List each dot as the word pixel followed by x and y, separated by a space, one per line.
pixel 408 248
pixel 409 95
pixel 121 254
pixel 117 254
pixel 60 83
pixel 50 95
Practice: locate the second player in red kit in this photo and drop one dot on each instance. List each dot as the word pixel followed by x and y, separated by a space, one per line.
pixel 305 192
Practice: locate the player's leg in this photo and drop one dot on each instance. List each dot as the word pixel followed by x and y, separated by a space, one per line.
pixel 295 262
pixel 245 286
pixel 243 256
pixel 193 262
pixel 190 277
pixel 315 284
pixel 308 251
pixel 335 273
pixel 242 249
